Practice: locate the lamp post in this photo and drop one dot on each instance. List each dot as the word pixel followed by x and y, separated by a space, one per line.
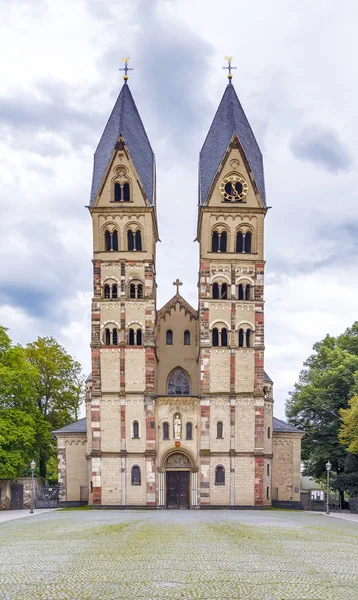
pixel 328 468
pixel 32 465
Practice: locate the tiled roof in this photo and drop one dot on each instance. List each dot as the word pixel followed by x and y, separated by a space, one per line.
pixel 125 121
pixel 282 427
pixel 229 119
pixel 267 378
pixel 89 378
pixel 77 427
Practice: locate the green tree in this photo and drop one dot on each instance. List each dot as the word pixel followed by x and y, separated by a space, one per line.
pixel 59 390
pixel 348 434
pixel 19 423
pixel 329 378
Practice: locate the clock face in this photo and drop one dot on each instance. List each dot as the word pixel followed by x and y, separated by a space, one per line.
pixel 234 188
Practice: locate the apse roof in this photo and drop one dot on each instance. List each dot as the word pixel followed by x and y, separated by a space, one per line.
pixel 125 121
pixel 77 427
pixel 267 378
pixel 282 427
pixel 229 119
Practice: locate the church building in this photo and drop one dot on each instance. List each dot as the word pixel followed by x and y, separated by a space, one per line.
pixel 179 408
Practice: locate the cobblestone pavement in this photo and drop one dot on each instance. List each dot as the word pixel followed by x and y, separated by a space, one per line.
pixel 88 555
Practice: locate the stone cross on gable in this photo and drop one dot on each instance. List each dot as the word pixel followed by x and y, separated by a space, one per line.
pixel 177 283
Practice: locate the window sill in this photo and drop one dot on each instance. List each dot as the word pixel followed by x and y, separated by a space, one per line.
pixel 219 438
pixel 135 438
pixel 133 483
pixel 220 484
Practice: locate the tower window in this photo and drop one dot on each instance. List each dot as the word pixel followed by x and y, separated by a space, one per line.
pixel 248 242
pixel 126 192
pixel 220 291
pixel 134 240
pixel 268 469
pixel 135 477
pixel 136 291
pixel 121 192
pixel 248 338
pixel 115 241
pixel 245 338
pixel 117 192
pixel 135 430
pixel 215 291
pixel 114 291
pixel 215 336
pixel 178 383
pixel 169 337
pixel 139 337
pixel 189 431
pixel 166 431
pixel 219 241
pixel 219 475
pixel 268 432
pixel 268 493
pixel 138 241
pixel 244 292
pixel 241 338
pixel 186 337
pixel 107 241
pixel 239 242
pixel 107 337
pixel 131 337
pixel 244 242
pixel 130 239
pixel 115 337
pixel 139 291
pixel 219 430
pixel 224 336
pixel 107 291
pixel 132 290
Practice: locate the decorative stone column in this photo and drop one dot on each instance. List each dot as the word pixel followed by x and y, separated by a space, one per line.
pixel 194 488
pixel 161 499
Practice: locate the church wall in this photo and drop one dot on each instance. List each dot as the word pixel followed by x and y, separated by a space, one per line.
pixel 111 481
pixel 135 313
pixel 135 369
pixel 76 467
pixel 136 495
pixel 220 494
pixel 219 411
pixel 219 370
pixel 110 413
pixel 244 480
pixel 286 465
pixel 110 381
pixel 244 370
pixel 135 411
pixel 268 424
pixel 245 425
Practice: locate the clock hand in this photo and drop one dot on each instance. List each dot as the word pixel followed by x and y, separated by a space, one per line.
pixel 234 191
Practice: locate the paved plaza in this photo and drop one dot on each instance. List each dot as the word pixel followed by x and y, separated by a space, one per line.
pixel 271 555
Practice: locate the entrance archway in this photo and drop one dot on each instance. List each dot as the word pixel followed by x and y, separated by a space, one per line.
pixel 178 476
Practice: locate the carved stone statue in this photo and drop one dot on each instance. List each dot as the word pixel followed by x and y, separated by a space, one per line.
pixel 177 427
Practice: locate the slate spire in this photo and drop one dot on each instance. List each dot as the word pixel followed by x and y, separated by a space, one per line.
pixel 125 121
pixel 230 119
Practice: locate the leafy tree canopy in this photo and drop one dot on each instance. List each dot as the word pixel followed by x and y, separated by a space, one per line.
pixel 348 434
pixel 326 383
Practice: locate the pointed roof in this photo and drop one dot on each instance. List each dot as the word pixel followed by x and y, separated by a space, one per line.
pixel 170 305
pixel 125 121
pixel 229 119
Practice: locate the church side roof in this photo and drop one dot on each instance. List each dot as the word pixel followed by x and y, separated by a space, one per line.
pixel 77 427
pixel 267 378
pixel 282 427
pixel 125 121
pixel 229 119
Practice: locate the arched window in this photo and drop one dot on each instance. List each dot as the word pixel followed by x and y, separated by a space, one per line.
pixel 269 432
pixel 115 337
pixel 268 493
pixel 187 337
pixel 166 431
pixel 215 291
pixel 138 241
pixel 136 290
pixel 117 192
pixel 219 475
pixel 215 242
pixel 248 242
pixel 248 292
pixel 268 469
pixel 169 337
pixel 248 338
pixel 132 290
pixel 241 292
pixel 107 337
pixel 219 430
pixel 131 337
pixel 136 475
pixel 107 241
pixel 139 337
pixel 126 192
pixel 215 336
pixel 189 431
pixel 241 338
pixel 224 336
pixel 139 291
pixel 223 294
pixel 178 383
pixel 115 241
pixel 114 291
pixel 107 291
pixel 135 430
pixel 130 240
pixel 239 242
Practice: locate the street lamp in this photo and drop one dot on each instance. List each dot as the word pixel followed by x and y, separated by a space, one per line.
pixel 328 468
pixel 32 465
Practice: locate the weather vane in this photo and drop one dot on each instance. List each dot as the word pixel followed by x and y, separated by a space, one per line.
pixel 126 68
pixel 229 67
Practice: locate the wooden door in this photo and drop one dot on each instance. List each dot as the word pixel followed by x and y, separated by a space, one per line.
pixel 17 496
pixel 178 489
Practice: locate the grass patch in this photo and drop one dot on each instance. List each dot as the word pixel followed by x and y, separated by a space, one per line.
pixel 67 508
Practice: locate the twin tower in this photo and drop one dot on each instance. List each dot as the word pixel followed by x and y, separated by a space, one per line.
pixel 179 410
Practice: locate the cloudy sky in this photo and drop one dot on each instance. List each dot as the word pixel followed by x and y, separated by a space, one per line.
pixel 297 80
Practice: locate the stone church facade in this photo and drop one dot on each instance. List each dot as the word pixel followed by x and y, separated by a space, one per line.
pixel 179 409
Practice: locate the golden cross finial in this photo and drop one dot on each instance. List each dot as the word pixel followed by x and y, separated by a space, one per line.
pixel 126 68
pixel 229 67
pixel 177 283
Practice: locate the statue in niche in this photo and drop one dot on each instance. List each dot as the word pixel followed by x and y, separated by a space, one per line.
pixel 177 427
